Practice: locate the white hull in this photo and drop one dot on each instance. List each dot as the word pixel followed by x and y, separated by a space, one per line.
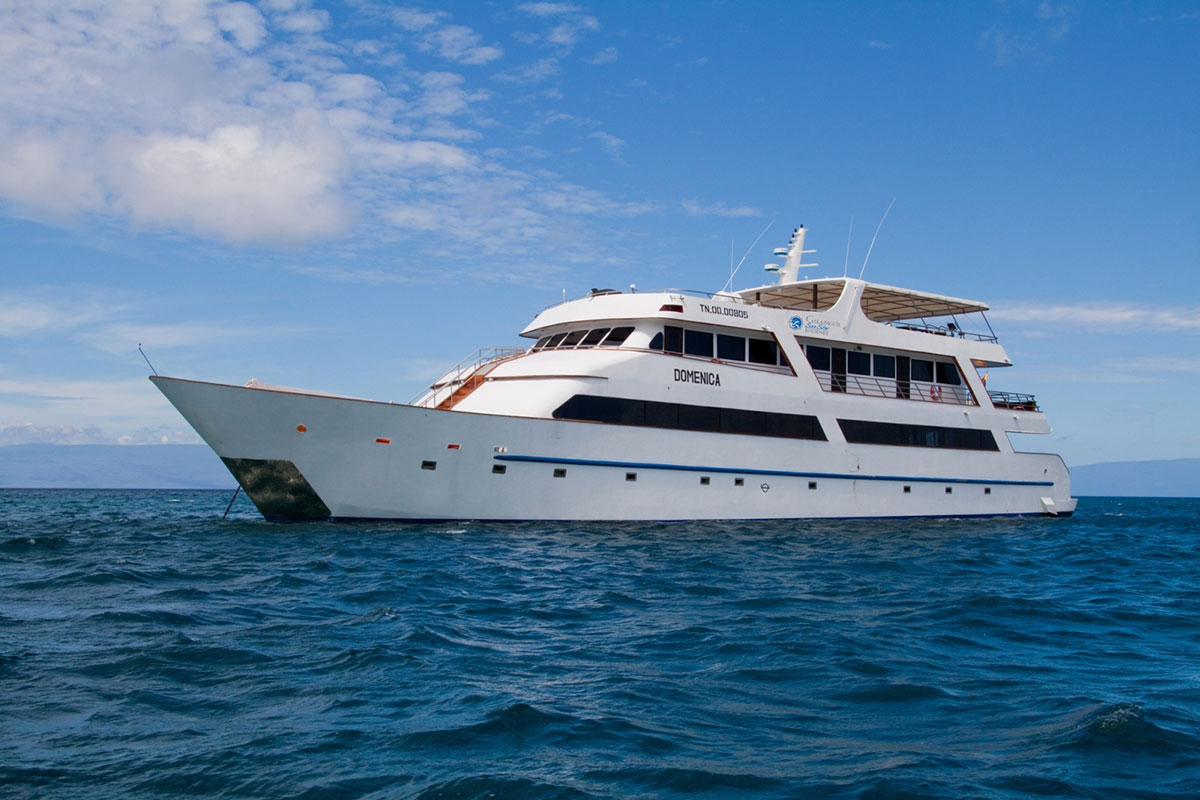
pixel 357 459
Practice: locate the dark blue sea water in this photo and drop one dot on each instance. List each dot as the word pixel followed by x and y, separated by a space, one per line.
pixel 150 649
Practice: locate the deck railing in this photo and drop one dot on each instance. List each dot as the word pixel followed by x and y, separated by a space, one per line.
pixel 444 386
pixel 870 386
pixel 1014 400
pixel 953 331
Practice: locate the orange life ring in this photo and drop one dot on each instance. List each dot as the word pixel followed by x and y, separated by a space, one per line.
pixel 935 392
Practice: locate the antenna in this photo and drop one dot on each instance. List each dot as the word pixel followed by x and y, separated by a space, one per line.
pixel 849 233
pixel 872 247
pixel 729 283
pixel 148 364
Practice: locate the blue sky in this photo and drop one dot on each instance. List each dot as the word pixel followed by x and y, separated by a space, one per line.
pixel 351 197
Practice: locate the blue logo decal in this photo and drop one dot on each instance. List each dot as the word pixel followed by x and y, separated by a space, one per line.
pixel 796 323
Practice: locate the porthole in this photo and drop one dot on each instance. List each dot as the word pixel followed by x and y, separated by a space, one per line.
pixel 631 476
pixel 705 480
pixel 908 490
pixel 499 469
pixel 812 484
pixel 739 481
pixel 949 490
pixel 987 490
pixel 560 473
pixel 428 465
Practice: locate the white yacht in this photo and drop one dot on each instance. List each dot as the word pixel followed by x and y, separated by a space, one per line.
pixel 800 399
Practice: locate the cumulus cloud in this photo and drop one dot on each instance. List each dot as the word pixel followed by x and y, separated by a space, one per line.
pixel 196 117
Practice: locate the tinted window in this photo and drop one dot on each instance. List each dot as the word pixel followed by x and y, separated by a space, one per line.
pixel 948 374
pixel 922 370
pixel 618 336
pixel 541 343
pixel 657 342
pixel 859 431
pixel 572 339
pixel 858 363
pixel 698 343
pixel 818 357
pixel 762 352
pixel 731 348
pixel 652 413
pixel 555 339
pixel 593 337
pixel 885 366
pixel 672 339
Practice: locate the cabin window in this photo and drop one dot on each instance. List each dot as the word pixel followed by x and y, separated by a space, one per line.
pixel 921 370
pixel 593 337
pixel 762 351
pixel 541 343
pixel 818 357
pixel 499 469
pixel 858 431
pixel 681 416
pixel 698 343
pixel 672 339
pixel 617 337
pixel 885 366
pixel 572 338
pixel 428 465
pixel 657 342
pixel 948 374
pixel 858 363
pixel 731 348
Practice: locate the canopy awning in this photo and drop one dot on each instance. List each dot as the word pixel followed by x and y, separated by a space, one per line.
pixel 879 303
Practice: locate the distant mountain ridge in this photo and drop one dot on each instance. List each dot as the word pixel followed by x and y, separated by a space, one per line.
pixel 111 466
pixel 1178 477
pixel 195 466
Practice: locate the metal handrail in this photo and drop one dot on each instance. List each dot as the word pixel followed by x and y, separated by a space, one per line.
pixel 1016 401
pixel 870 386
pixel 464 369
pixel 945 330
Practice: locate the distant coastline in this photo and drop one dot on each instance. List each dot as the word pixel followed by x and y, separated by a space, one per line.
pixel 195 466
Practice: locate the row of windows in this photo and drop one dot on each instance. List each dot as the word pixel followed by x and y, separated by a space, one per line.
pixel 681 416
pixel 690 342
pixel 602 337
pixel 859 431
pixel 902 368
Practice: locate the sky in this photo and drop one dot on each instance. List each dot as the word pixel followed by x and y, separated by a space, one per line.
pixel 352 197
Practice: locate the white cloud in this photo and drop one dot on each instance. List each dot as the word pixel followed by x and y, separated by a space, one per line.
pixel 698 208
pixel 605 56
pixel 237 183
pixel 530 73
pixel 461 44
pixel 548 9
pixel 122 338
pixel 1104 316
pixel 875 44
pixel 611 144
pixel 52 310
pixel 244 23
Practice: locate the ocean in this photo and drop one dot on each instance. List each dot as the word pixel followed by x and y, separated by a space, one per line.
pixel 150 649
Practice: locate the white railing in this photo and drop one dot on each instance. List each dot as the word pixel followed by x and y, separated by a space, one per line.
pixel 461 372
pixel 870 386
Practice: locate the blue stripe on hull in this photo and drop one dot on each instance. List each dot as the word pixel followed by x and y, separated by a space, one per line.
pixel 776 472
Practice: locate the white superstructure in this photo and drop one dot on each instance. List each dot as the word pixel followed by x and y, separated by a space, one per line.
pixel 826 398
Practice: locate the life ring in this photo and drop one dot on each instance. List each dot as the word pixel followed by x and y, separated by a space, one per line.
pixel 935 392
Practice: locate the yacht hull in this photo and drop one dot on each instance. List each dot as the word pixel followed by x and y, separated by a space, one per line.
pixel 310 456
